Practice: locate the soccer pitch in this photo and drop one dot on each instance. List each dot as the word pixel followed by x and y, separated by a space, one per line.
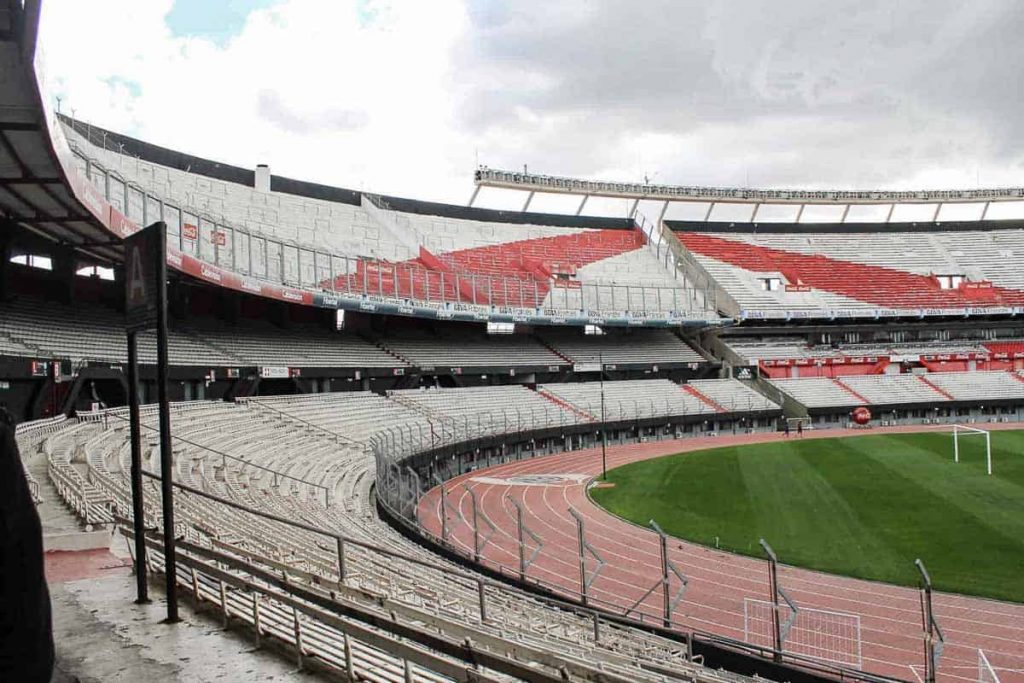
pixel 864 506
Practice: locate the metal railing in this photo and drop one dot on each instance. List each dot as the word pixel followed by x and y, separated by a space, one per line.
pixel 216 241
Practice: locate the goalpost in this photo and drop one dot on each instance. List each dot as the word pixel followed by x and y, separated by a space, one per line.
pixel 986 672
pixel 964 430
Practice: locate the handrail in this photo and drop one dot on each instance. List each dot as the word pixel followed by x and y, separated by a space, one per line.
pixel 310 600
pixel 447 570
pixel 282 269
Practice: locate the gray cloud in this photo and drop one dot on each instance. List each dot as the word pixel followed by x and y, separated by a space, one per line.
pixel 271 107
pixel 848 92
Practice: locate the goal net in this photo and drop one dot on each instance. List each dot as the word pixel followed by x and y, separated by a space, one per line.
pixel 960 431
pixel 817 634
pixel 794 422
pixel 986 673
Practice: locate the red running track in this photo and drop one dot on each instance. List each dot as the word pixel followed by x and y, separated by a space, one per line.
pixel 890 616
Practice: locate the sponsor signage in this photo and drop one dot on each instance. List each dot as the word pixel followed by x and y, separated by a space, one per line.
pixel 274 372
pixel 190 231
pixel 746 372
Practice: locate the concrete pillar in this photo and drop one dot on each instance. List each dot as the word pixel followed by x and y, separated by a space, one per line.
pixel 64 272
pixel 6 238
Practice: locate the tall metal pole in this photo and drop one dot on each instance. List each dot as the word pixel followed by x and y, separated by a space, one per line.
pixel 583 562
pixel 138 508
pixel 666 599
pixel 934 640
pixel 604 432
pixel 522 543
pixel 166 453
pixel 773 586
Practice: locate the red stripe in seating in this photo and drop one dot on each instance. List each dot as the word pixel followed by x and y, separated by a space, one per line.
pixel 941 391
pixel 705 399
pixel 848 389
pixel 886 287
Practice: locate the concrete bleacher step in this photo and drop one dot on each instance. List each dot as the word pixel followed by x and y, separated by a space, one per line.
pixel 21 342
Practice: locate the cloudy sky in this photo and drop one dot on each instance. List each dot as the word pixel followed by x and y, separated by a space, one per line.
pixel 406 96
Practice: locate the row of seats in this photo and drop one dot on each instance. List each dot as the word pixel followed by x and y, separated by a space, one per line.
pixel 632 399
pixel 768 349
pixel 372 249
pixel 938 387
pixel 842 271
pixel 28 328
pixel 650 346
pixel 304 459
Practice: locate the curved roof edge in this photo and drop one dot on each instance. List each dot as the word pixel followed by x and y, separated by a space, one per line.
pixel 535 182
pixel 840 228
pixel 216 170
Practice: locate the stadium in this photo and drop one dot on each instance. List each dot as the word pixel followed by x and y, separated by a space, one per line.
pixel 417 441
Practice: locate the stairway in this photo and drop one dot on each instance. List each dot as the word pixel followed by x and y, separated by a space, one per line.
pixel 567 406
pixel 848 389
pixel 944 393
pixel 717 407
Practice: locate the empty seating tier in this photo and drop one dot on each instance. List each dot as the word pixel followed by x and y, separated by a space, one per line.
pixel 303 459
pixel 777 273
pixel 648 347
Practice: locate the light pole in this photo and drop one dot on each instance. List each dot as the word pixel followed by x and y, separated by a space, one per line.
pixel 604 435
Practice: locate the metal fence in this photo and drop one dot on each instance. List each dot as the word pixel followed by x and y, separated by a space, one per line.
pixel 217 241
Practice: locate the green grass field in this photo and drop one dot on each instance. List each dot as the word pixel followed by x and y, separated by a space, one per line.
pixel 864 506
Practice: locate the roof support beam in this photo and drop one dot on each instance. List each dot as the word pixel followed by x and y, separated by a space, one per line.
pixel 7 182
pixel 661 216
pixel 583 202
pixel 19 125
pixel 707 216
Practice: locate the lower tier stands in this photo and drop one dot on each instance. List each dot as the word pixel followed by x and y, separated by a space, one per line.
pixel 818 392
pixel 767 349
pixel 656 397
pixel 45 330
pixel 731 395
pixel 652 347
pixel 909 389
pixel 304 459
pixel 29 328
pixel 469 351
pixel 979 386
pixel 303 346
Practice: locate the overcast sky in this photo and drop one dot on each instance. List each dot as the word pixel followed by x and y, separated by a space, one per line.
pixel 406 96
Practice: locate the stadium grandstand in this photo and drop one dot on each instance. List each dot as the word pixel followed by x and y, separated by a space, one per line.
pixel 385 415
